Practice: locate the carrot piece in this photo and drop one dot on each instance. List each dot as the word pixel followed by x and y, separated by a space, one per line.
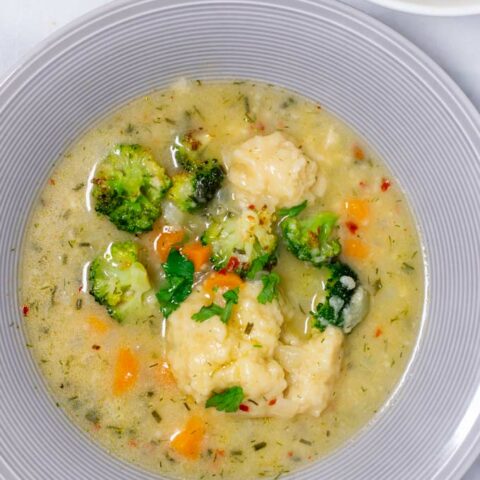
pixel 164 375
pixel 126 371
pixel 166 240
pixel 188 442
pixel 229 280
pixel 97 325
pixel 353 247
pixel 197 253
pixel 357 209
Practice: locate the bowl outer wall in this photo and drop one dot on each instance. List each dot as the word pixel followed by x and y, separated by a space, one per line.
pixel 445 8
pixel 386 89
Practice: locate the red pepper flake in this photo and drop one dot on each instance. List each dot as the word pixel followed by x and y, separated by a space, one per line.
pixel 232 265
pixel 80 288
pixel 251 206
pixel 358 153
pixel 272 402
pixel 133 443
pixel 244 408
pixel 25 310
pixel 352 227
pixel 260 127
pixel 51 181
pixel 378 332
pixel 96 347
pixel 220 453
pixel 385 185
pixel 290 454
pixel 362 184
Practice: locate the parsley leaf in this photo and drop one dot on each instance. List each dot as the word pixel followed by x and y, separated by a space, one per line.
pixel 257 265
pixel 231 298
pixel 292 211
pixel 206 312
pixel 227 401
pixel 179 281
pixel 270 288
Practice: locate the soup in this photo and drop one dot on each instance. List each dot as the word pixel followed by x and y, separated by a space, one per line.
pixel 221 280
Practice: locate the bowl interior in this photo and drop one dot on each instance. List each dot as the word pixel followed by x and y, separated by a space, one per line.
pixel 392 95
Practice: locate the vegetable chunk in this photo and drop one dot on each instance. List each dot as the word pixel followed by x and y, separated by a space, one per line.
pixel 202 177
pixel 312 239
pixel 239 242
pixel 120 282
pixel 128 188
pixel 346 302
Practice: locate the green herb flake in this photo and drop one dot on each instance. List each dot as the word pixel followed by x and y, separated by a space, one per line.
pixel 287 103
pixel 92 416
pixel 246 105
pixel 292 211
pixel 269 291
pixel 206 312
pixel 179 273
pixel 259 446
pixel 78 187
pixel 78 304
pixel 257 265
pixel 377 285
pixel 305 442
pixel 248 328
pixel 407 268
pixel 156 416
pixel 227 401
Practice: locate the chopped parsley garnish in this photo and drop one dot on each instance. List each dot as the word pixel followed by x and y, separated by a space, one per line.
pixel 231 299
pixel 227 401
pixel 258 265
pixel 292 211
pixel 179 281
pixel 270 288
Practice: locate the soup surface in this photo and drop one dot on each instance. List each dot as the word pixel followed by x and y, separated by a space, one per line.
pixel 258 381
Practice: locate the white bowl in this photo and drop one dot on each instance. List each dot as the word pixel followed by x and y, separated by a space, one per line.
pixel 405 107
pixel 433 7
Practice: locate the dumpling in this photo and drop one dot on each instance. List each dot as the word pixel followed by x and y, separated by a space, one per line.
pixel 270 170
pixel 211 356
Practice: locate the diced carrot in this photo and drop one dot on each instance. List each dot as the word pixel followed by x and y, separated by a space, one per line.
pixel 166 240
pixel 164 375
pixel 98 325
pixel 358 153
pixel 126 371
pixel 229 280
pixel 353 247
pixel 197 253
pixel 357 209
pixel 188 442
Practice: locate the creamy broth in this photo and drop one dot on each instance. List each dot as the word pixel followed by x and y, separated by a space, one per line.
pixel 76 343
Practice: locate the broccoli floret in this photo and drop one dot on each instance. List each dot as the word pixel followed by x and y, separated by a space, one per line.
pixel 187 149
pixel 241 242
pixel 119 281
pixel 128 188
pixel 346 302
pixel 201 178
pixel 311 239
pixel 193 190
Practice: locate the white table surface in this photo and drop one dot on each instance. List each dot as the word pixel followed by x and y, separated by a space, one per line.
pixel 454 43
